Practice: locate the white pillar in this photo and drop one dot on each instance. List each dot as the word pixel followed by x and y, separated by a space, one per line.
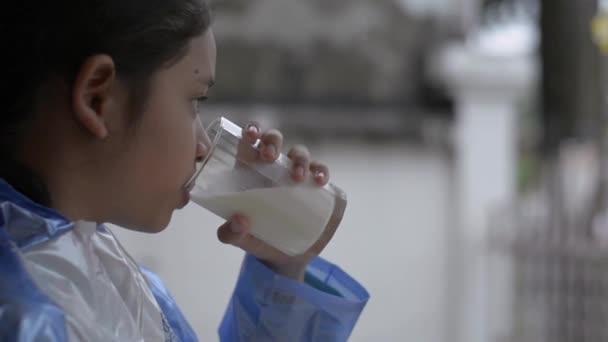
pixel 487 89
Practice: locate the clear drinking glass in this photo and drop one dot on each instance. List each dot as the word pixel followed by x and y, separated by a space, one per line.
pixel 288 216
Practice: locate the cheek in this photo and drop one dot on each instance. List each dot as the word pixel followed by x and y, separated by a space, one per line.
pixel 156 163
pixel 164 161
pixel 172 140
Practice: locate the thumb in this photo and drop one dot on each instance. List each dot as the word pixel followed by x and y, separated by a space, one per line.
pixel 234 231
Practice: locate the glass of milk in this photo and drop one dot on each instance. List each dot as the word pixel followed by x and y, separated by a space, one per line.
pixel 288 216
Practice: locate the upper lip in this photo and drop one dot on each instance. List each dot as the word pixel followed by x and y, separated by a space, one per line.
pixel 190 185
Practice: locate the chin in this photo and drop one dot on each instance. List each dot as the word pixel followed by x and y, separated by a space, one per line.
pixel 155 229
pixel 159 225
pixel 151 225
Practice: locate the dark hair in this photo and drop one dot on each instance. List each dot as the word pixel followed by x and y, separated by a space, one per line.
pixel 45 39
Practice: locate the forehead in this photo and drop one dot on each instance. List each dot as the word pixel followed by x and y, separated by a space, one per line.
pixel 199 61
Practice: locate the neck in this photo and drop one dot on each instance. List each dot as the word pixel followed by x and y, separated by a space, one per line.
pixel 66 177
pixel 24 181
pixel 73 198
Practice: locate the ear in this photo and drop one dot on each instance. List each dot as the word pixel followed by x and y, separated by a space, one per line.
pixel 92 93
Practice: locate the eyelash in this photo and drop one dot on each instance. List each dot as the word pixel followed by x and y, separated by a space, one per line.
pixel 197 103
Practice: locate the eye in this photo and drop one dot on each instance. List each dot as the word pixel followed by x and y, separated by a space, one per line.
pixel 197 104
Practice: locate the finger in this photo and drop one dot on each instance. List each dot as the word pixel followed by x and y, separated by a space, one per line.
pixel 271 145
pixel 332 225
pixel 251 132
pixel 246 152
pixel 328 233
pixel 249 243
pixel 320 172
pixel 234 230
pixel 300 156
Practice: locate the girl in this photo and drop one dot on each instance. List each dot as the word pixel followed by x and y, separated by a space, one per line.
pixel 101 123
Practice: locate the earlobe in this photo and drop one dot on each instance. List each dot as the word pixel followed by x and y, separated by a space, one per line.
pixel 91 94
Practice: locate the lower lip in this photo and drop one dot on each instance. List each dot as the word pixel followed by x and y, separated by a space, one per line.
pixel 185 199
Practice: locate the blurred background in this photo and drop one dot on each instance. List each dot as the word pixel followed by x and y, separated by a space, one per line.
pixel 469 136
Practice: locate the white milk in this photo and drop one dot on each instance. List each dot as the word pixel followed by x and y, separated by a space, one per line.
pixel 290 218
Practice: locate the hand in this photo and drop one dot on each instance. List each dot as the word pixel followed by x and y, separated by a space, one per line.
pixel 236 230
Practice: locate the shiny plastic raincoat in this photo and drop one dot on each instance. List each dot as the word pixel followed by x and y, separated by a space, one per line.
pixel 73 281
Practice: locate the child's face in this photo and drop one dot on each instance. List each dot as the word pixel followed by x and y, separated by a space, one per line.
pixel 160 156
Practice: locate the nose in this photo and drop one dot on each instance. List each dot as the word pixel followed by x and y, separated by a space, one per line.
pixel 201 152
pixel 203 142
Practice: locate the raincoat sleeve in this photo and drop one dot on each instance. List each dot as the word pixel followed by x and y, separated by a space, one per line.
pixel 266 306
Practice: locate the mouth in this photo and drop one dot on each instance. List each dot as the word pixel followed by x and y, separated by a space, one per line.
pixel 186 191
pixel 189 186
pixel 185 199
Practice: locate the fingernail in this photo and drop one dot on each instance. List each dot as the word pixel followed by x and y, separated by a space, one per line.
pixel 271 151
pixel 252 129
pixel 320 175
pixel 300 171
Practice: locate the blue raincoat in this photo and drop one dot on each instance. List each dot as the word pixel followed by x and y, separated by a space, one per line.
pixel 62 280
